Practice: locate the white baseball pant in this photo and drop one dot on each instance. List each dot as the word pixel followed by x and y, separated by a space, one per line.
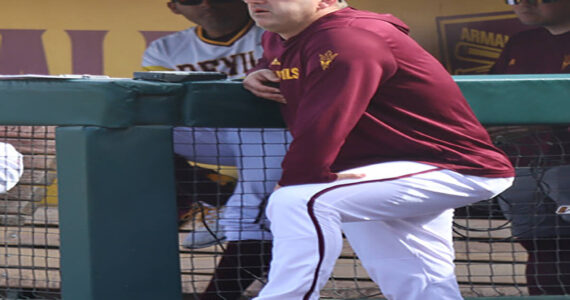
pixel 398 220
pixel 257 154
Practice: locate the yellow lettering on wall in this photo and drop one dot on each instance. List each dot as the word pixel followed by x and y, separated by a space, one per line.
pixel 475 36
pixel 502 40
pixel 486 38
pixel 465 36
pixel 482 37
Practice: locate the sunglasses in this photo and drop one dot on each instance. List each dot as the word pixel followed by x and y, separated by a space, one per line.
pixel 198 2
pixel 534 2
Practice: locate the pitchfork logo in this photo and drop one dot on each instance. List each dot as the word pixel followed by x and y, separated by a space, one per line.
pixel 327 58
pixel 566 61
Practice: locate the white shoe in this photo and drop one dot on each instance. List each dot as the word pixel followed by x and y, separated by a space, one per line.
pixel 207 231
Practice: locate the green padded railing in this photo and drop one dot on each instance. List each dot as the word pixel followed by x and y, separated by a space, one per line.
pixel 115 171
pixel 495 99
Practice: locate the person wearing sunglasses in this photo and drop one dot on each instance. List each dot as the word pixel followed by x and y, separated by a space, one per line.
pixel 541 50
pixel 530 204
pixel 225 40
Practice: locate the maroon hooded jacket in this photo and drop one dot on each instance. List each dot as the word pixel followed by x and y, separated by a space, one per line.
pixel 360 91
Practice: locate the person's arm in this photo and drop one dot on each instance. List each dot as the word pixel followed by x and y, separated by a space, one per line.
pixel 344 69
pixel 264 84
pixel 261 81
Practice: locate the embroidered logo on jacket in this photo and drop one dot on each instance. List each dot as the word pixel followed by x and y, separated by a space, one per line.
pixel 327 58
pixel 512 62
pixel 275 62
pixel 566 61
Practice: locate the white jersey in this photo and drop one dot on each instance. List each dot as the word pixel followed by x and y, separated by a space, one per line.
pixel 190 50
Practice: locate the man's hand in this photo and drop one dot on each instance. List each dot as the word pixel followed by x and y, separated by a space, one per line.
pixel 259 83
pixel 344 176
pixel 340 176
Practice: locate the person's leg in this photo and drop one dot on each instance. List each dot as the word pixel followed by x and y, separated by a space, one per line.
pixel 412 258
pixel 531 271
pixel 563 260
pixel 302 254
pixel 195 183
pixel 548 266
pixel 213 146
pixel 260 153
pixel 306 219
pixel 242 263
pixel 248 252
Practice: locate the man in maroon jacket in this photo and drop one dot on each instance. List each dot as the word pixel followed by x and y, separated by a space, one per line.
pixel 384 143
pixel 544 49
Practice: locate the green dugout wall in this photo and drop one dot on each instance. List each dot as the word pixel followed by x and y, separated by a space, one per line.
pixel 115 170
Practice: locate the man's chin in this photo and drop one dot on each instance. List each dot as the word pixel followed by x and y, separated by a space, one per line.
pixel 263 24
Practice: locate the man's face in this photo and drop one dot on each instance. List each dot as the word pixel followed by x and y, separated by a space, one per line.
pixel 212 14
pixel 543 14
pixel 285 17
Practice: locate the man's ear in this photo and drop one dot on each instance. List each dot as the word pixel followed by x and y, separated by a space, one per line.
pixel 173 7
